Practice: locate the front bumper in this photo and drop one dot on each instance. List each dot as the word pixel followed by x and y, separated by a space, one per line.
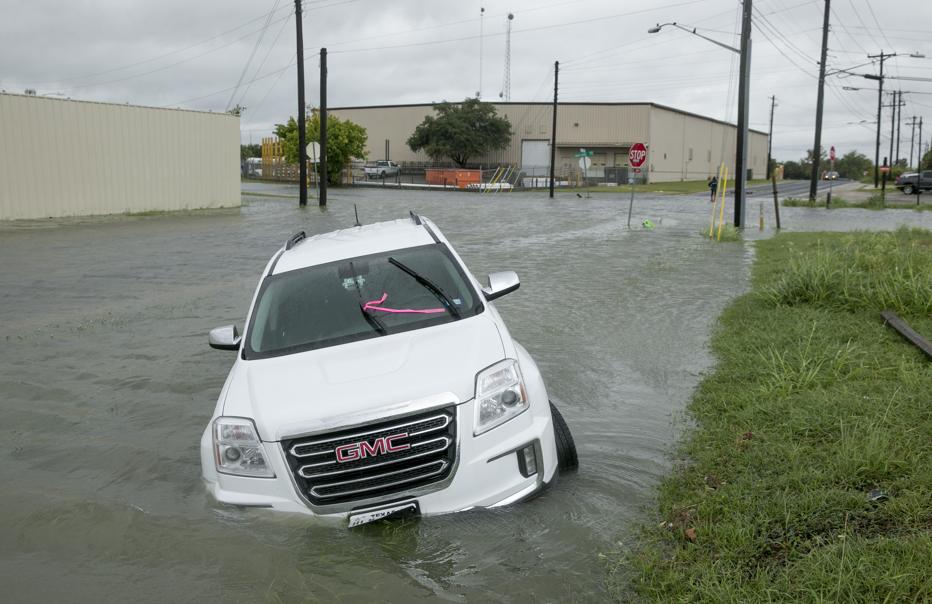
pixel 487 472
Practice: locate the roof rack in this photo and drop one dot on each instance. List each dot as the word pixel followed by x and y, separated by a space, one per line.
pixel 294 240
pixel 414 217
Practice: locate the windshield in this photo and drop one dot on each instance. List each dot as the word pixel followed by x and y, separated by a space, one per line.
pixel 358 298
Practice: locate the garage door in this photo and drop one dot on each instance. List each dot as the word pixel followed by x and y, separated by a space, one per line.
pixel 535 157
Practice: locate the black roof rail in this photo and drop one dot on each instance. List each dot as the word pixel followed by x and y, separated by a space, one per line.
pixel 294 240
pixel 414 217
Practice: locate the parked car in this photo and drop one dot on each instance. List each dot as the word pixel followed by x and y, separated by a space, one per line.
pixel 375 377
pixel 909 182
pixel 382 169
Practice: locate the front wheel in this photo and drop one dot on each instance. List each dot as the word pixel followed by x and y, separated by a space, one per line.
pixel 909 189
pixel 566 447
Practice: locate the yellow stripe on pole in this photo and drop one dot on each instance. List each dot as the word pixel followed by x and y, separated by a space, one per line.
pixel 721 216
pixel 715 203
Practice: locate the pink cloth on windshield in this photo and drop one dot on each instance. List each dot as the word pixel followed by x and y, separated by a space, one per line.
pixel 374 305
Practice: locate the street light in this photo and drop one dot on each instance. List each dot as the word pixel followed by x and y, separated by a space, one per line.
pixel 659 26
pixel 741 148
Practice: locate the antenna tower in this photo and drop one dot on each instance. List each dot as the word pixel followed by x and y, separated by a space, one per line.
pixel 506 78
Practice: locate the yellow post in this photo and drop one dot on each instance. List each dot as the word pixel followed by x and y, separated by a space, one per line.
pixel 721 216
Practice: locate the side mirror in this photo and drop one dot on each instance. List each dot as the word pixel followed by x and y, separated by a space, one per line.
pixel 224 338
pixel 500 284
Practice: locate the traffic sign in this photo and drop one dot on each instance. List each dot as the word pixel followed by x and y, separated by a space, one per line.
pixel 585 162
pixel 637 155
pixel 884 169
pixel 831 153
pixel 584 153
pixel 313 151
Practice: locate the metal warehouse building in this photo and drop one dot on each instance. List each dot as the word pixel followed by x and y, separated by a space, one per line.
pixel 62 157
pixel 681 145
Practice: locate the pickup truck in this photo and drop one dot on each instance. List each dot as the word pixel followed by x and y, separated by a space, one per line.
pixel 382 169
pixel 909 182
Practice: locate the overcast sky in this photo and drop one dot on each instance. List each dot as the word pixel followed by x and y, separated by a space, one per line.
pixel 192 53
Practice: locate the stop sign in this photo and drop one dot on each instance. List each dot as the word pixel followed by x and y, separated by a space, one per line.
pixel 831 153
pixel 637 154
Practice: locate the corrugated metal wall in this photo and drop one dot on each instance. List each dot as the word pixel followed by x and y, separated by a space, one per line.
pixel 609 129
pixel 76 158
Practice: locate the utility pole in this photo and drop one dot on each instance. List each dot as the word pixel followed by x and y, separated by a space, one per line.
pixel 919 164
pixel 553 128
pixel 773 103
pixel 302 133
pixel 817 145
pixel 883 57
pixel 741 148
pixel 322 196
pixel 892 128
pixel 899 118
pixel 912 141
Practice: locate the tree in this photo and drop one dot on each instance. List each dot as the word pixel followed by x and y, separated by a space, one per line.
pixel 793 170
pixel 461 131
pixel 853 165
pixel 246 151
pixel 926 161
pixel 345 140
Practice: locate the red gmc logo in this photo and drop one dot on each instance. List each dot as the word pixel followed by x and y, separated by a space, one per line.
pixel 380 446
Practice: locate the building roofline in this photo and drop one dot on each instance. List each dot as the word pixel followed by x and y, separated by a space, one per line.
pixel 563 104
pixel 70 100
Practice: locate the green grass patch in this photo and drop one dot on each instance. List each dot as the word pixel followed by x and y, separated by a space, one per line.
pixel 808 476
pixel 729 234
pixel 673 188
pixel 875 201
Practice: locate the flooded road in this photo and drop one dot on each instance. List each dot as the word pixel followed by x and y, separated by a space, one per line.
pixel 107 382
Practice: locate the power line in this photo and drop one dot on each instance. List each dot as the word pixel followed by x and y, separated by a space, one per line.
pixel 252 54
pixel 157 57
pixel 242 97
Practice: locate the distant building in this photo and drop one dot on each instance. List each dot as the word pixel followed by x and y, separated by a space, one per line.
pixel 76 158
pixel 681 145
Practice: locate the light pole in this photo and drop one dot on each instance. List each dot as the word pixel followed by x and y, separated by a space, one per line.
pixel 741 148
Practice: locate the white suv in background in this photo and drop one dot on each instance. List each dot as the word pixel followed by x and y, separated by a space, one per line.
pixel 375 378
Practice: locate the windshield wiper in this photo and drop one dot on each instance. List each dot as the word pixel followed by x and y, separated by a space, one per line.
pixel 375 322
pixel 429 286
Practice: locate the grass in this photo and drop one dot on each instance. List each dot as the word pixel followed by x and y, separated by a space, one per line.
pixel 729 234
pixel 874 202
pixel 673 188
pixel 807 476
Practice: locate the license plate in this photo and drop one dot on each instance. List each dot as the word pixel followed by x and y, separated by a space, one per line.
pixel 403 509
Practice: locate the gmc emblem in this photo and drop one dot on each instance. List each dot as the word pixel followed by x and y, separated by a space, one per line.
pixel 379 446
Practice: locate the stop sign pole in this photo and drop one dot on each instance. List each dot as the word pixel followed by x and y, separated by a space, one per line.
pixel 637 154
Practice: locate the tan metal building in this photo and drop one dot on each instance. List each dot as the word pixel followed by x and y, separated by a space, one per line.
pixel 681 145
pixel 63 157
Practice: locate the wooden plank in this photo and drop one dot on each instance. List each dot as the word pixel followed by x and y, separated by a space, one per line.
pixel 894 321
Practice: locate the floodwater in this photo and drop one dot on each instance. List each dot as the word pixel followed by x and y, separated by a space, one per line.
pixel 106 383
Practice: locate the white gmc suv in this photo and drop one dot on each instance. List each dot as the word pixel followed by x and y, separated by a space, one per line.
pixel 374 378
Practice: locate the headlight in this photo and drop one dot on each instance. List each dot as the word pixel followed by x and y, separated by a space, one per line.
pixel 237 449
pixel 500 395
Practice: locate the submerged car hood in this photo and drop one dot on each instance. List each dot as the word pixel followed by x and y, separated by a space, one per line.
pixel 362 381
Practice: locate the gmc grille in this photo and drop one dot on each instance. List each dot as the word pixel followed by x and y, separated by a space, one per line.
pixel 375 460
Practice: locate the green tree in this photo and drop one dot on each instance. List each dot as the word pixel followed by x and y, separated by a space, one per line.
pixel 345 140
pixel 460 131
pixel 793 170
pixel 853 165
pixel 926 161
pixel 246 151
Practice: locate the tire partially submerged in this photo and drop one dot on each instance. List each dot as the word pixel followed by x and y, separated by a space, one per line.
pixel 566 447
